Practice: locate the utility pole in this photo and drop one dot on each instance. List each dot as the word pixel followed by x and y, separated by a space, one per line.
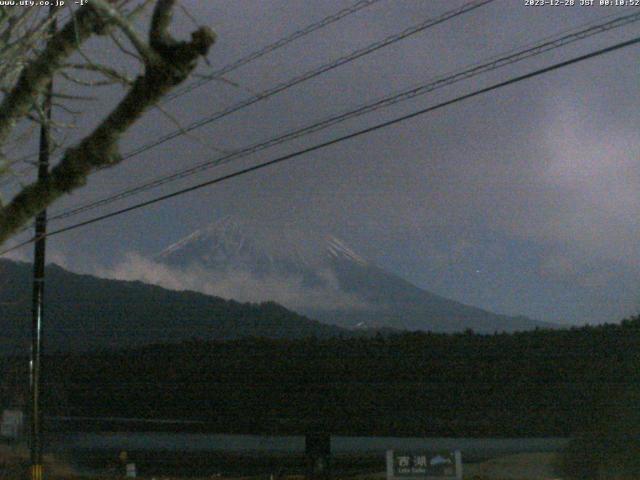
pixel 37 471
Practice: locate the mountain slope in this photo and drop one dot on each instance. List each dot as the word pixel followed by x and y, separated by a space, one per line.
pixel 355 291
pixel 401 305
pixel 83 312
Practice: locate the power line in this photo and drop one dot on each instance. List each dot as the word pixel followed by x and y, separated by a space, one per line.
pixel 283 86
pixel 334 141
pixel 477 69
pixel 356 54
pixel 218 74
pixel 272 47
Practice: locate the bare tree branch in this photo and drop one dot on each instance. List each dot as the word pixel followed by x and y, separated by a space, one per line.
pixel 171 63
pixel 36 75
pixel 87 83
pixel 146 52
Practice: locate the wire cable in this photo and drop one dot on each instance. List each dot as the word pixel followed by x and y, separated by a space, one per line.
pixel 218 74
pixel 356 54
pixel 477 69
pixel 271 47
pixel 334 141
pixel 306 76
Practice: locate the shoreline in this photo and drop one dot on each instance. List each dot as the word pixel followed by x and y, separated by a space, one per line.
pixel 193 465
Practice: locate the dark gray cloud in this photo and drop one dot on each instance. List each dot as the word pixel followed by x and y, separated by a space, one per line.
pixel 522 201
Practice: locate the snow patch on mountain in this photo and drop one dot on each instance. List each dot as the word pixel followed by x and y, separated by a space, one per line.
pixel 317 275
pixel 249 261
pixel 336 248
pixel 233 244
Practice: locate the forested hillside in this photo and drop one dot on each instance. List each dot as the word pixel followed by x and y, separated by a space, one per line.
pixel 86 313
pixel 534 383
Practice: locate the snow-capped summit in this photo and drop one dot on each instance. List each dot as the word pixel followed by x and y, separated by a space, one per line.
pixel 319 276
pixel 235 244
pixel 336 248
pixel 223 245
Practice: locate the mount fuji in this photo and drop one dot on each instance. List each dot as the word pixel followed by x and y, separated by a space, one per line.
pixel 321 277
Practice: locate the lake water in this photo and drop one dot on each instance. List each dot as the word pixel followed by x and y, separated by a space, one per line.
pixel 295 444
pixel 193 454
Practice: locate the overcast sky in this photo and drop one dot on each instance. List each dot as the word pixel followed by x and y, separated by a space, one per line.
pixel 521 201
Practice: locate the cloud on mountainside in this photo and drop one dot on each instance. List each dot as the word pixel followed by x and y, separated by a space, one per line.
pixel 240 285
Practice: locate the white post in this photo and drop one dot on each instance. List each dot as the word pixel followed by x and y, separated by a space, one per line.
pixel 131 470
pixel 389 464
pixel 458 456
